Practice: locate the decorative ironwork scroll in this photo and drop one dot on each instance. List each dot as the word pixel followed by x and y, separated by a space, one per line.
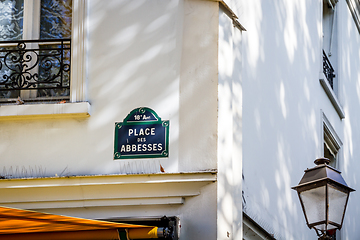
pixel 328 70
pixel 35 64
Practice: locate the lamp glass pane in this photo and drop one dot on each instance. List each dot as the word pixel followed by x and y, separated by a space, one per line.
pixel 314 204
pixel 337 202
pixel 330 227
pixel 321 227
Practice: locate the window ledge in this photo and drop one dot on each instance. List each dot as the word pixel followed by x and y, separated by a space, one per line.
pixel 45 110
pixel 332 97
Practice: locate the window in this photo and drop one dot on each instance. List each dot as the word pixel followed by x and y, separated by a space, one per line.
pixel 332 143
pixel 41 67
pixel 328 77
pixel 329 42
pixel 35 45
pixel 331 149
pixel 253 231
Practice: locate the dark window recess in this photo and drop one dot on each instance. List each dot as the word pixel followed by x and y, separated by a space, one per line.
pixel 328 70
pixel 41 65
pixel 170 225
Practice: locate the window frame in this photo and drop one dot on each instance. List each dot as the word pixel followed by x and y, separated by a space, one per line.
pixel 79 36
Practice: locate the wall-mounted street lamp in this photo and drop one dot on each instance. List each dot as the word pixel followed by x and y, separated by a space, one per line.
pixel 323 195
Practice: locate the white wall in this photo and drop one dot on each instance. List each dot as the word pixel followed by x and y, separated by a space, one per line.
pixel 349 94
pixel 229 154
pixel 283 107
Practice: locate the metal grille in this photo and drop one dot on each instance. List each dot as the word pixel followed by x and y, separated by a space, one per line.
pixel 36 64
pixel 328 70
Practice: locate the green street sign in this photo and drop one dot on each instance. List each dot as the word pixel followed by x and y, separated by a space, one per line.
pixel 142 134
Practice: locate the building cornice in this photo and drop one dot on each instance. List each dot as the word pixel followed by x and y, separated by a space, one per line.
pixel 230 13
pixel 102 191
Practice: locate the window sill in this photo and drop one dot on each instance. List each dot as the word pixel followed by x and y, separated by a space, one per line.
pixel 332 97
pixel 45 111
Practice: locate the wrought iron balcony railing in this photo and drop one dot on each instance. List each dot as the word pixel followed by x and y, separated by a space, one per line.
pixel 43 65
pixel 328 70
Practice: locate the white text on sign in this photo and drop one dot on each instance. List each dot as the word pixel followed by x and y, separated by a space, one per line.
pixel 142 132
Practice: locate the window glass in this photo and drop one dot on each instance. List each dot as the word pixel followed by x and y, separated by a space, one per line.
pixel 329 154
pixel 11 28
pixel 55 19
pixel 55 23
pixel 11 19
pixel 331 147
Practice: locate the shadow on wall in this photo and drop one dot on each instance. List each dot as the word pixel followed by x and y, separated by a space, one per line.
pixel 349 92
pixel 281 114
pixel 229 130
pixel 133 63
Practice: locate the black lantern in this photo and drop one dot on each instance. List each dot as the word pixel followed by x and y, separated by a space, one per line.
pixel 323 195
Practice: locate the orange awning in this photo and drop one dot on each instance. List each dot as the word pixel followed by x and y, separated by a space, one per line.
pixel 25 224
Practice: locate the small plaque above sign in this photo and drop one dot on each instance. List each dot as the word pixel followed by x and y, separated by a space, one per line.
pixel 142 134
